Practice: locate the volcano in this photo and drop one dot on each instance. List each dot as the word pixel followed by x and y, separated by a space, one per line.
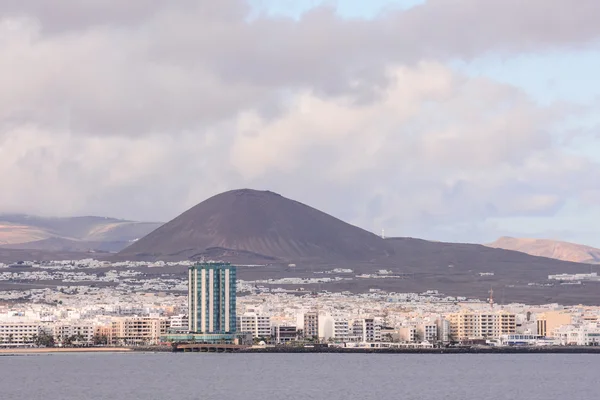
pixel 254 224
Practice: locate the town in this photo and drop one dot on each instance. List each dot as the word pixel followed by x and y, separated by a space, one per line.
pixel 119 308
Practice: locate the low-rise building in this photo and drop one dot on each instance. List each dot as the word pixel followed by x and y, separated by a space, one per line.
pixel 138 330
pixel 258 325
pixel 466 325
pixel 18 334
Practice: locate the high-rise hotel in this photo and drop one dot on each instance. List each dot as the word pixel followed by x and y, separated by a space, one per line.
pixel 211 298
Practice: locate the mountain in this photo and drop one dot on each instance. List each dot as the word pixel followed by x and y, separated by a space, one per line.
pixel 57 244
pixel 19 231
pixel 550 248
pixel 261 224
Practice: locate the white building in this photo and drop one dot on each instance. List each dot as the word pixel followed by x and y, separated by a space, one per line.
pixel 336 328
pixel 258 325
pixel 179 322
pixel 585 335
pixel 407 334
pixel 427 332
pixel 18 334
pixel 367 329
pixel 84 332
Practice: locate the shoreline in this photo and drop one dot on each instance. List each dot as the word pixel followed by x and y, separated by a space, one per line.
pixel 449 350
pixel 309 350
pixel 50 350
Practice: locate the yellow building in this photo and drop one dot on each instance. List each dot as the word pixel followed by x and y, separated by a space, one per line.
pixel 551 320
pixel 467 324
pixel 138 330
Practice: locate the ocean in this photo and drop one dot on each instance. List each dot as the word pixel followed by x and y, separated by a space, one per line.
pixel 183 376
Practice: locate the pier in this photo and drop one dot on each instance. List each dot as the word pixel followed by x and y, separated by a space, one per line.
pixel 208 348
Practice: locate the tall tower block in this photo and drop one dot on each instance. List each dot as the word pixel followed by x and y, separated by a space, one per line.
pixel 212 298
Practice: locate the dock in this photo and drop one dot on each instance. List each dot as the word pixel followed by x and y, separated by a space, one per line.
pixel 208 348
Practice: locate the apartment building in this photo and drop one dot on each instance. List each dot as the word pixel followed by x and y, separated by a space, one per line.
pixel 257 325
pixel 427 332
pixel 407 334
pixel 367 330
pixel 18 334
pixel 549 321
pixel 138 330
pixel 311 325
pixel 284 334
pixel 179 323
pixel 584 335
pixel 481 325
pixel 83 332
pixel 336 328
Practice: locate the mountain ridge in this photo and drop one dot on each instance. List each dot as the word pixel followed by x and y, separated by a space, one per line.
pixel 549 248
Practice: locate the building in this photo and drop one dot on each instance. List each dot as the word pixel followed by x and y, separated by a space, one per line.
pixel 334 328
pixel 549 321
pixel 407 334
pixel 257 325
pixel 179 323
pixel 285 334
pixel 212 298
pixel 443 328
pixel 467 325
pixel 138 330
pixel 311 325
pixel 584 335
pixel 80 333
pixel 18 334
pixel 427 333
pixel 367 330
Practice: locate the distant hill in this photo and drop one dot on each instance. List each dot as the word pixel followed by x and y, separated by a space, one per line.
pixel 549 248
pixel 19 231
pixel 263 224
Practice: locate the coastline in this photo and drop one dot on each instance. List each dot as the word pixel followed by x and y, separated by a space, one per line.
pixel 449 350
pixel 50 350
pixel 315 350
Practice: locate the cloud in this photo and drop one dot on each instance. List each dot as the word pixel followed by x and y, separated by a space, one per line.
pixel 142 109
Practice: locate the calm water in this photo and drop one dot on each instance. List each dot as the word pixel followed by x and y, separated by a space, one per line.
pixel 299 376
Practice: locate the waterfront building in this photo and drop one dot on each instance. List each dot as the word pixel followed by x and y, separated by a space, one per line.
pixel 367 330
pixel 285 334
pixel 179 323
pixel 549 321
pixel 18 334
pixel 407 334
pixel 427 332
pixel 138 330
pixel 212 298
pixel 481 325
pixel 311 325
pixel 584 335
pixel 334 328
pixel 443 328
pixel 257 325
pixel 81 333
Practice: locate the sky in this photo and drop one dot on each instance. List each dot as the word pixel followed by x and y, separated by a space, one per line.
pixel 451 120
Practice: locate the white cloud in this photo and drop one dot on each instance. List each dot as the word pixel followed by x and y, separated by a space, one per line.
pixel 143 110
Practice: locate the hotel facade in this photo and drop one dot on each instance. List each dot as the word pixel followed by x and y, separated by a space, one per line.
pixel 212 298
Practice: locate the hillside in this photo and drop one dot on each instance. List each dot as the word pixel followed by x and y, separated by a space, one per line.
pixel 263 224
pixel 549 248
pixel 29 232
